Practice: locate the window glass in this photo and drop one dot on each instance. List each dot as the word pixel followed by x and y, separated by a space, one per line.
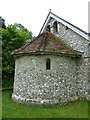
pixel 55 27
pixel 48 28
pixel 48 64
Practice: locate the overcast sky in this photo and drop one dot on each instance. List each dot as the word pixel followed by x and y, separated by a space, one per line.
pixel 32 13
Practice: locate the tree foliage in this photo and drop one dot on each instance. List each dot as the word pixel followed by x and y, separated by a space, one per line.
pixel 13 37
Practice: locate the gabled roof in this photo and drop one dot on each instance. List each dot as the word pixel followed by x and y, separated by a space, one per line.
pixel 46 43
pixel 64 22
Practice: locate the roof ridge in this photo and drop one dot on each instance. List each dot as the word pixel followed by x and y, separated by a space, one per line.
pixel 43 43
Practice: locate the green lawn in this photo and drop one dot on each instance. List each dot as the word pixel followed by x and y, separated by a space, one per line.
pixel 10 109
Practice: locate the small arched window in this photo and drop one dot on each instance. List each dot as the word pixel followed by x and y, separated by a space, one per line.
pixel 48 28
pixel 55 27
pixel 48 64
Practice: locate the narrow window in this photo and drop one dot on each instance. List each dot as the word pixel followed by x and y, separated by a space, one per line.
pixel 66 28
pixel 48 28
pixel 48 64
pixel 55 27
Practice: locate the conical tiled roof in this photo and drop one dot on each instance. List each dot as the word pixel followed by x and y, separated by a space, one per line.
pixel 48 44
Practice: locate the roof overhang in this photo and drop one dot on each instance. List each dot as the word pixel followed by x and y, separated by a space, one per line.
pixel 64 22
pixel 77 55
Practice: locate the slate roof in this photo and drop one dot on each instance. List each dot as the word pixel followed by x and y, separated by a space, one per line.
pixel 46 43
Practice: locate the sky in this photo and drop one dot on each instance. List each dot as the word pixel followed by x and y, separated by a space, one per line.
pixel 32 13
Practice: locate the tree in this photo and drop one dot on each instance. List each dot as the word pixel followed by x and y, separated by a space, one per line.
pixel 13 37
pixel 22 28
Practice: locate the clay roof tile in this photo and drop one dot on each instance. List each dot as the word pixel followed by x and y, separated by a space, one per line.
pixel 48 43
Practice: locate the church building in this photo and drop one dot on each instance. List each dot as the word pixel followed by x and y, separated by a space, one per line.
pixel 54 67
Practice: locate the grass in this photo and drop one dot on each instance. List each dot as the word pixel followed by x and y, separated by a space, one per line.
pixel 10 109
